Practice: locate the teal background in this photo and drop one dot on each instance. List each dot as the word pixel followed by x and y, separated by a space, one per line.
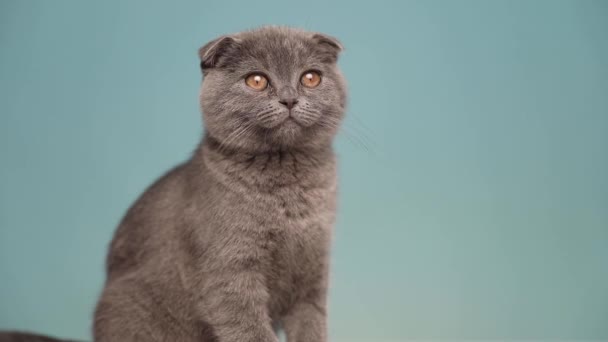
pixel 473 163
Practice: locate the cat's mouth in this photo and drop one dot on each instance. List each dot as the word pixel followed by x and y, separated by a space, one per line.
pixel 287 132
pixel 291 121
pixel 288 126
pixel 279 121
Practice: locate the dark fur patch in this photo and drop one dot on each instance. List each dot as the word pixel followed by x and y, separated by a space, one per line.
pixel 207 333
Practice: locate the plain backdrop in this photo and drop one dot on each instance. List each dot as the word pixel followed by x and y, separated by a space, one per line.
pixel 473 163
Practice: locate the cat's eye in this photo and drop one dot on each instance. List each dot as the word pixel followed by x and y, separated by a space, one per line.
pixel 311 79
pixel 257 81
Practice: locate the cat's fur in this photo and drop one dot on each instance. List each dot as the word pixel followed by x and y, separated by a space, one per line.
pixel 234 243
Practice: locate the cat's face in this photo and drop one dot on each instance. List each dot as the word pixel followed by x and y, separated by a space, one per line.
pixel 272 88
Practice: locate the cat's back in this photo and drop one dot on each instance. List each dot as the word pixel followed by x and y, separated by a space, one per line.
pixel 150 221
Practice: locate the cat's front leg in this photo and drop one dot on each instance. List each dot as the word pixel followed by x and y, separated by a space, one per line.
pixel 307 322
pixel 235 305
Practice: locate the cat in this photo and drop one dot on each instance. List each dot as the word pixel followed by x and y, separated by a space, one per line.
pixel 233 244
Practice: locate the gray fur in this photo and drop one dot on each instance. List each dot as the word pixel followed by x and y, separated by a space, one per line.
pixel 234 243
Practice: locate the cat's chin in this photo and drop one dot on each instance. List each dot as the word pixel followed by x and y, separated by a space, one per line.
pixel 287 133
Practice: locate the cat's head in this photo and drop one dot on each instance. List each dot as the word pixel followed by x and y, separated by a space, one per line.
pixel 272 88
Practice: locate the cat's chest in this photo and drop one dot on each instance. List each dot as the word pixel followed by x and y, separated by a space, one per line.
pixel 297 223
pixel 298 242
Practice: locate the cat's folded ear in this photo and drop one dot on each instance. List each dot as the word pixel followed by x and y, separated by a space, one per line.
pixel 329 45
pixel 211 53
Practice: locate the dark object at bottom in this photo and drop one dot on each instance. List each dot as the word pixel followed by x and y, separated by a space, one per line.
pixel 14 336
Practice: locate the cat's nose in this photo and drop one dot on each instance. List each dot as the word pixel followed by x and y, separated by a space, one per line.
pixel 289 102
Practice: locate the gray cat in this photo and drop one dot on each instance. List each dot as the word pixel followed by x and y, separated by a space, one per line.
pixel 233 244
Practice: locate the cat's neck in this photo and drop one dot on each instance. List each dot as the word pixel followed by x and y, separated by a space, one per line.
pixel 278 167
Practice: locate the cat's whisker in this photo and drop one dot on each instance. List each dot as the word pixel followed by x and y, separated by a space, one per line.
pixel 266 112
pixel 308 117
pixel 362 129
pixel 351 134
pixel 361 136
pixel 264 117
pixel 231 138
pixel 242 132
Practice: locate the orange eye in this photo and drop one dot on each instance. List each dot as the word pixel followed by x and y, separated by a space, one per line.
pixel 257 81
pixel 311 79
